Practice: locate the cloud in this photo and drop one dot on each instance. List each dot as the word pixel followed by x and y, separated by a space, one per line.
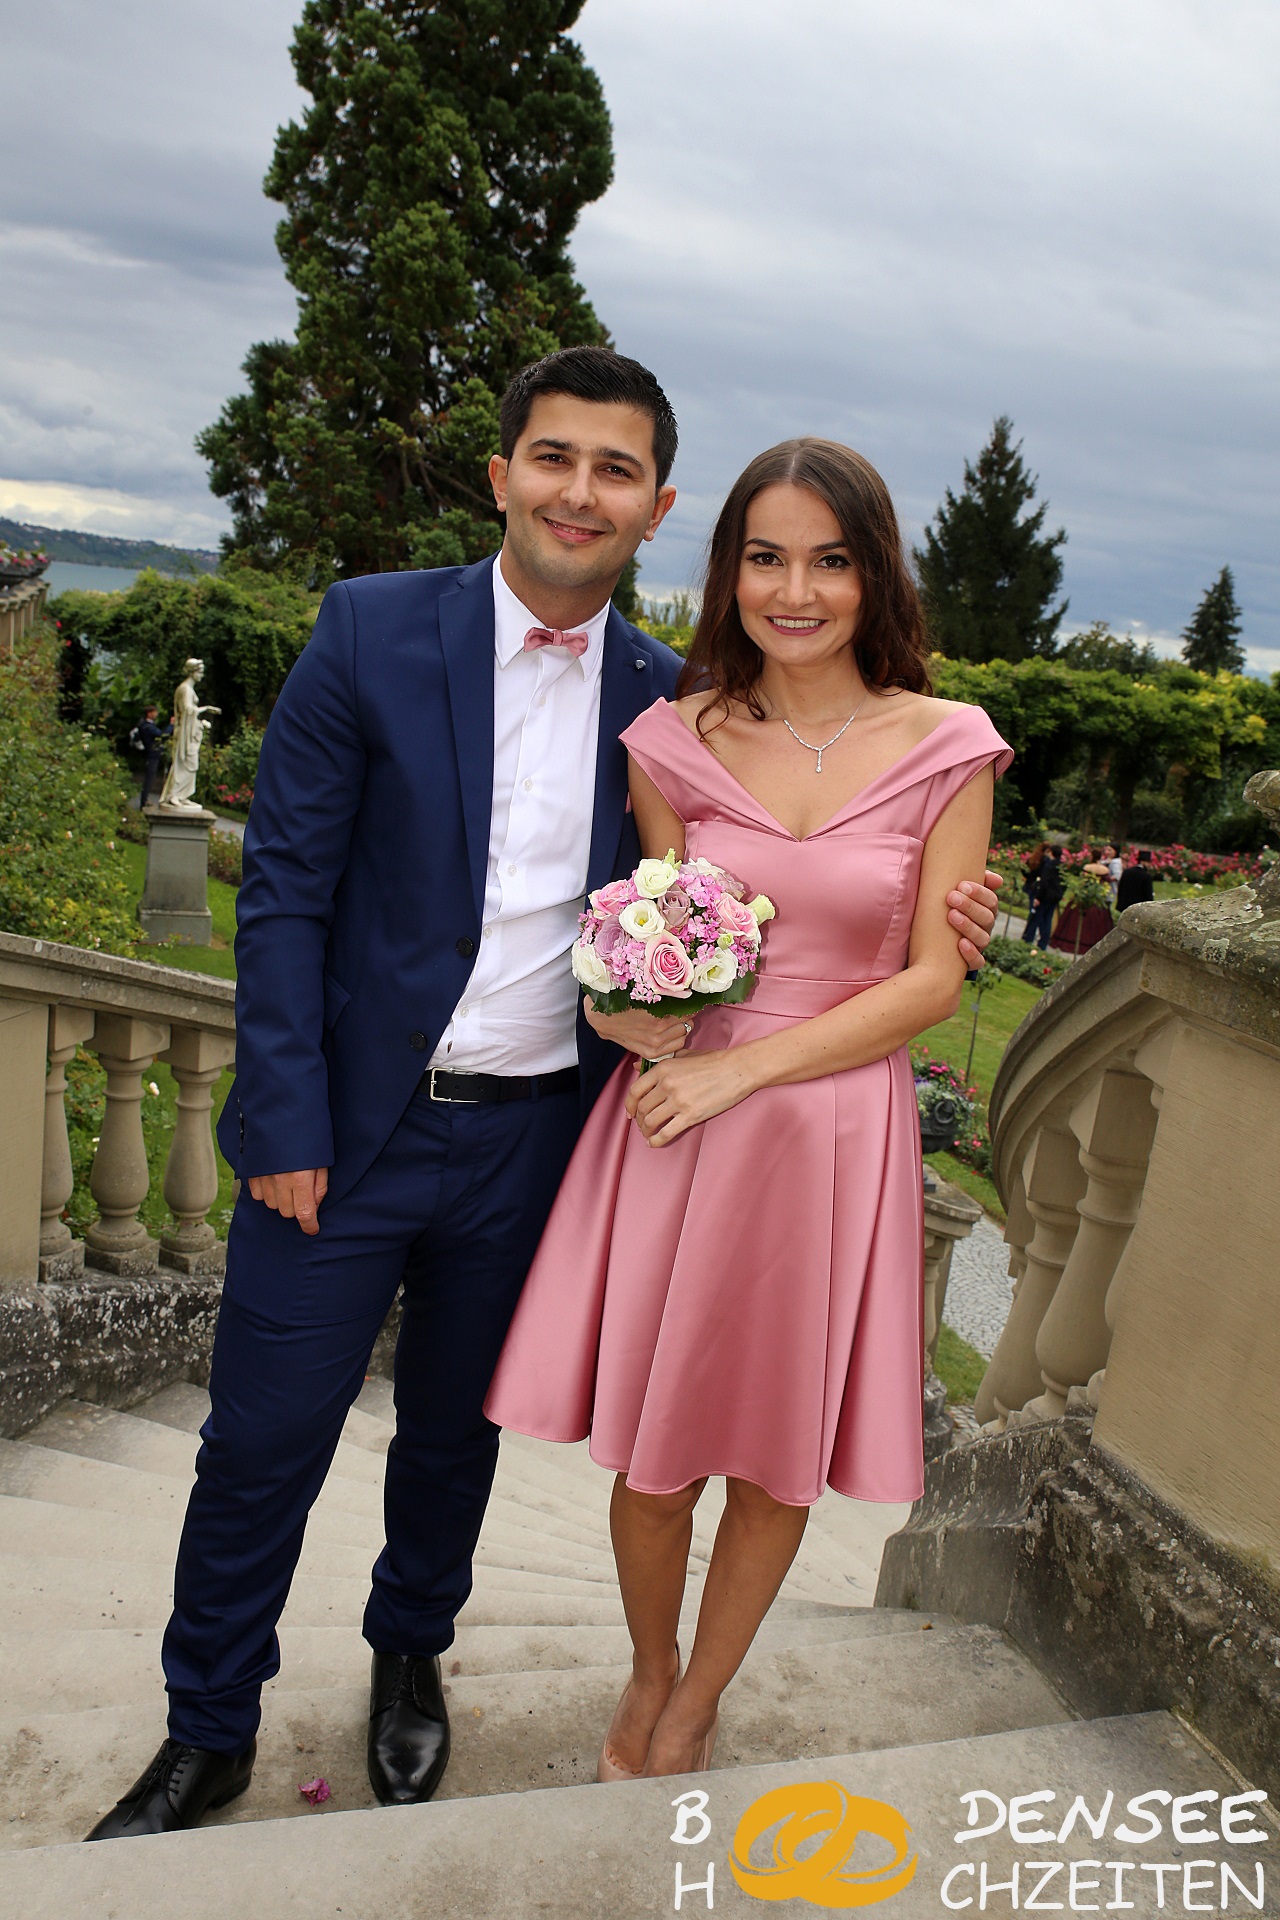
pixel 887 221
pixel 53 503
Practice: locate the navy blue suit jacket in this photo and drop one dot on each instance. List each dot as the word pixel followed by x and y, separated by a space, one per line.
pixel 365 861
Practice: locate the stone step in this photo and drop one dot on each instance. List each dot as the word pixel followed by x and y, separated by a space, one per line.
pixel 75 1670
pixel 186 1407
pixel 66 1479
pixel 105 1434
pixel 44 1528
pixel 66 1591
pixel 585 1852
pixel 519 1731
pixel 41 1473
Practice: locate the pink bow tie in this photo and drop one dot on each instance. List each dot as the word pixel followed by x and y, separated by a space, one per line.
pixel 574 643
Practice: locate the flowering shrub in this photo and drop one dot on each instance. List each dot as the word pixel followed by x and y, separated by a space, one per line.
pixel 61 874
pixel 22 560
pixel 1036 965
pixel 936 1080
pixel 1166 863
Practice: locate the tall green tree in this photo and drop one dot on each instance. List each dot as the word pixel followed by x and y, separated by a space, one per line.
pixel 1210 643
pixel 429 192
pixel 988 571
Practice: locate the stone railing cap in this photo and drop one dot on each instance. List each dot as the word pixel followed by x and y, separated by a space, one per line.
pixel 76 976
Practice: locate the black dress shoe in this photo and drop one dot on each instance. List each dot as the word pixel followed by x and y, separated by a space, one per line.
pixel 180 1786
pixel 408 1728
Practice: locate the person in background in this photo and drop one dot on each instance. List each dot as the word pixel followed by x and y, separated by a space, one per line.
pixel 1044 890
pixel 148 735
pixel 1136 882
pixel 1114 866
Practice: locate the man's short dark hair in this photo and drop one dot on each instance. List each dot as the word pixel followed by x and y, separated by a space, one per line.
pixel 151 707
pixel 597 374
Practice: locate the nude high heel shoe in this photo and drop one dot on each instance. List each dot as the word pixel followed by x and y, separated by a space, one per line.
pixel 610 1768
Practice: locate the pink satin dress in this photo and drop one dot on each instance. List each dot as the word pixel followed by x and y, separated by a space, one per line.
pixel 749 1301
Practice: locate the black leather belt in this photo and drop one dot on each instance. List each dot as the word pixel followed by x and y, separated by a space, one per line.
pixel 480 1089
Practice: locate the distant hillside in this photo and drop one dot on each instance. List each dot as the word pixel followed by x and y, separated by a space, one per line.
pixel 105 550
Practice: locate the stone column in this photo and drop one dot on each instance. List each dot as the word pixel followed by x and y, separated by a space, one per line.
pixel 191 1175
pixel 60 1255
pixel 1054 1182
pixel 175 900
pixel 1115 1124
pixel 117 1242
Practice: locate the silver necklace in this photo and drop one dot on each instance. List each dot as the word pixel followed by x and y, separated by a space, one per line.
pixel 808 744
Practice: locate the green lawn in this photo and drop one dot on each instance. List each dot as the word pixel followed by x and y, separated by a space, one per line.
pixel 959 1366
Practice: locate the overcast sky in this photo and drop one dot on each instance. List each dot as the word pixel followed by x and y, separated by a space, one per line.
pixel 882 220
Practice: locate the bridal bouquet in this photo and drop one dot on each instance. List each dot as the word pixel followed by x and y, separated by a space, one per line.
pixel 676 936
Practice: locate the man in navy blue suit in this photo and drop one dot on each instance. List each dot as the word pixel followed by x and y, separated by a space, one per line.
pixel 441 782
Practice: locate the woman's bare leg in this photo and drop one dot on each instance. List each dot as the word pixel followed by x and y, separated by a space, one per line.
pixel 651 1533
pixel 756 1541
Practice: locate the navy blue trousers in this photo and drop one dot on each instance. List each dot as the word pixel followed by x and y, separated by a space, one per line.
pixel 1039 923
pixel 453 1208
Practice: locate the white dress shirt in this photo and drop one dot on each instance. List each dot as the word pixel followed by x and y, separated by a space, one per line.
pixel 519 1011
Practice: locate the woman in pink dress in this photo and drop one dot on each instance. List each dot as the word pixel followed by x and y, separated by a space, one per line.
pixel 731 1281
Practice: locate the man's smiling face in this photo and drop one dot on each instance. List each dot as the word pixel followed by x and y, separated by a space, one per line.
pixel 580 493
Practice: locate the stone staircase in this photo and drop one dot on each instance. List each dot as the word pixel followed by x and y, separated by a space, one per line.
pixel 909 1708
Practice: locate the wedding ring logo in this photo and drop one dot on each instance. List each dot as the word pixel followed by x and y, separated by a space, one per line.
pixel 827 1875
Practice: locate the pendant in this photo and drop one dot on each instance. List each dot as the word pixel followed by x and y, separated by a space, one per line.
pixel 820 752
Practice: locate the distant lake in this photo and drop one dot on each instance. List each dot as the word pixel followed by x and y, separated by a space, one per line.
pixel 67 573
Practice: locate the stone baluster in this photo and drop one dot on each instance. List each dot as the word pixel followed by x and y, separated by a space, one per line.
pixel 1151 1061
pixel 117 1242
pixel 1054 1182
pixel 1019 1229
pixel 1114 1123
pixel 60 1255
pixel 196 1059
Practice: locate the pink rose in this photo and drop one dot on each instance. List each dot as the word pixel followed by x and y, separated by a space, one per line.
pixel 613 898
pixel 608 935
pixel 667 968
pixel 735 918
pixel 675 907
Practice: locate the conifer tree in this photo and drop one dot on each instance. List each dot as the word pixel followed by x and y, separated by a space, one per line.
pixel 1210 643
pixel 429 190
pixel 988 573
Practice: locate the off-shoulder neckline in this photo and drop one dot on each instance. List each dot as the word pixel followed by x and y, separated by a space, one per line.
pixel 957 713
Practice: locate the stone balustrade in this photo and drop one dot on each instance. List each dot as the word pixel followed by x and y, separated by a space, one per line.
pixel 157 1293
pixel 20 608
pixel 1119 1514
pixel 1135 1123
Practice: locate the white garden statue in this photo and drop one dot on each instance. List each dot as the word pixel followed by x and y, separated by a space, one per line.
pixel 188 732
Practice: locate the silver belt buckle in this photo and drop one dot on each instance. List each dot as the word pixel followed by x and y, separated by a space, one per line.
pixel 445 1099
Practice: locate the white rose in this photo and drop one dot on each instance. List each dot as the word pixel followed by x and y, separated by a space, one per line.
pixel 653 877
pixel 763 908
pixel 705 866
pixel 642 919
pixel 589 969
pixel 713 976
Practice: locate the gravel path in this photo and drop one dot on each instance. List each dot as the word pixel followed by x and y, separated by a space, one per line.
pixel 979 1289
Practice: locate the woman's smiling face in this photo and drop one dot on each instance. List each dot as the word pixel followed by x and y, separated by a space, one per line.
pixel 799 593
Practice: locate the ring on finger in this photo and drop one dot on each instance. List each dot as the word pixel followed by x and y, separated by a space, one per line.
pixel 688 1027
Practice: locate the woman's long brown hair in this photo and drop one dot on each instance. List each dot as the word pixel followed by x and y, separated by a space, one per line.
pixel 889 639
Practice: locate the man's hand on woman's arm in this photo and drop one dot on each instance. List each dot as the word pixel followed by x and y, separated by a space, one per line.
pixel 971 910
pixel 295 1195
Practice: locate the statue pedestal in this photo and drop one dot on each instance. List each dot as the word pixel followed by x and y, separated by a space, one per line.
pixel 175 900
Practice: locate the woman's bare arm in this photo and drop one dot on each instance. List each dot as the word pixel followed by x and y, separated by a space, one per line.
pixel 679 1094
pixel 657 822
